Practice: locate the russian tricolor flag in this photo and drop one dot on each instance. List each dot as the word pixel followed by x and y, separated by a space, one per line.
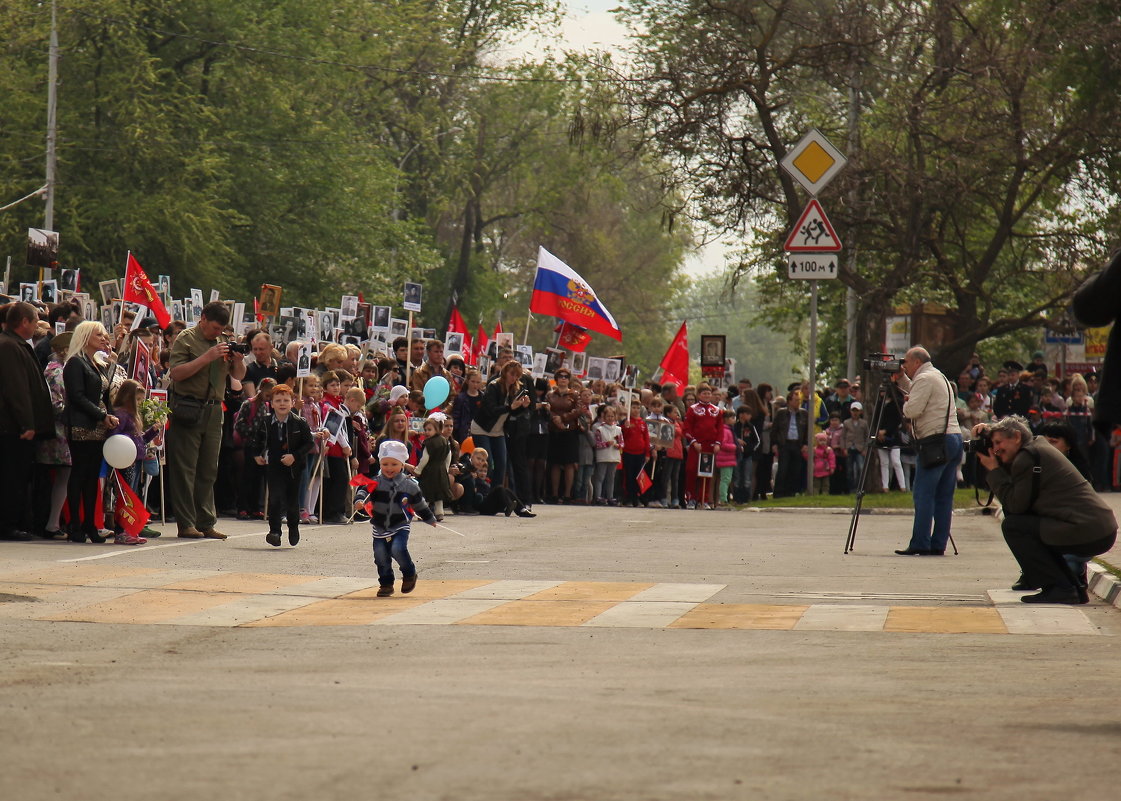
pixel 558 291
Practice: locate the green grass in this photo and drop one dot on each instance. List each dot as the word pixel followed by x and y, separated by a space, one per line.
pixel 963 499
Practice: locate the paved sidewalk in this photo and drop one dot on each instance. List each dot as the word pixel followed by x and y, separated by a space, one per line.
pixel 587 654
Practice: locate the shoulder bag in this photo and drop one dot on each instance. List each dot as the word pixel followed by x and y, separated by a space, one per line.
pixel 932 449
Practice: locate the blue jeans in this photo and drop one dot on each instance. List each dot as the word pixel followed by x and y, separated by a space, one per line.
pixel 855 467
pixel 496 450
pixel 387 549
pixel 933 491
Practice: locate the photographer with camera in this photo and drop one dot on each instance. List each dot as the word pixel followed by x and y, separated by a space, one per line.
pixel 932 410
pixel 198 366
pixel 1052 516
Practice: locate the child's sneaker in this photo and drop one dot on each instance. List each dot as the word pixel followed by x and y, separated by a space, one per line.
pixel 293 536
pixel 128 539
pixel 385 592
pixel 273 539
pixel 407 583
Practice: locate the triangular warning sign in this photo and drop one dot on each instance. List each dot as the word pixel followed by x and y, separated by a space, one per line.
pixel 813 233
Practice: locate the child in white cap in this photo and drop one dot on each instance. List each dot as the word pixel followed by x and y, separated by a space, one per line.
pixel 392 501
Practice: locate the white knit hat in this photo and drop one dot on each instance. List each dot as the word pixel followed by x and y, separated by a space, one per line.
pixel 392 449
pixel 396 393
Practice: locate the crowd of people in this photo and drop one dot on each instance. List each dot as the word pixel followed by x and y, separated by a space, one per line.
pixel 251 433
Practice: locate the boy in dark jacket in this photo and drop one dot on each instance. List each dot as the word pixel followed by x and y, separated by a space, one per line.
pixel 281 442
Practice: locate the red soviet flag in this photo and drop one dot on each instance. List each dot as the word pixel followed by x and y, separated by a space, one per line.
pixel 573 337
pixel 675 364
pixel 481 342
pixel 643 480
pixel 138 289
pixel 130 514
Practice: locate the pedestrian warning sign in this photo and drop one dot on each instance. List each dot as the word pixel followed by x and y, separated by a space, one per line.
pixel 813 233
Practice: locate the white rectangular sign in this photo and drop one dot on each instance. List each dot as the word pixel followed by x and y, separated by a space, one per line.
pixel 812 266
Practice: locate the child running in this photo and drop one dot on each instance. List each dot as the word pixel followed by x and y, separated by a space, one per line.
pixel 395 499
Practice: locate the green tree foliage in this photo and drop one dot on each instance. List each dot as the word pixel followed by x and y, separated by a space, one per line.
pixel 980 136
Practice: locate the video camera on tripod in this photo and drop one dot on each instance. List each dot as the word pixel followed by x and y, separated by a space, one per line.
pixel 883 363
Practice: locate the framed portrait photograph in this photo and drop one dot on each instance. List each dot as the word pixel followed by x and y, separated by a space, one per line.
pixel 712 350
pixel 91 310
pixel 611 369
pixel 578 361
pixel 505 339
pixel 398 328
pixel 303 361
pixel 29 292
pixel 412 297
pixel 453 343
pixel 269 302
pixel 348 307
pixel 110 291
pixel 325 326
pixel 69 280
pixel 705 463
pixel 416 333
pixel 381 316
pixel 630 376
pixel 42 248
pixel 524 355
pixel 595 368
pixel 48 291
pixel 197 304
pixel 237 317
pixel 176 311
pixel 554 360
pixel 215 295
pixel 539 360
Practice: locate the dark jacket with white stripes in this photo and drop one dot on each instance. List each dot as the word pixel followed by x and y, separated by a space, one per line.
pixel 395 501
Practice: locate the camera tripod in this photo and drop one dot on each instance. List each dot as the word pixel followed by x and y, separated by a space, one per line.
pixel 887 390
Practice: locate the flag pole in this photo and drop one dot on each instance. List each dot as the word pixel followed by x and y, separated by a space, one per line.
pixel 124 289
pixel 528 319
pixel 409 354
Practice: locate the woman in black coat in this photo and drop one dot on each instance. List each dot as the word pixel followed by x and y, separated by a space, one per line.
pixel 87 422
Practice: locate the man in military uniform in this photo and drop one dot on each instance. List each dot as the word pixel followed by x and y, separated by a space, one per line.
pixel 199 365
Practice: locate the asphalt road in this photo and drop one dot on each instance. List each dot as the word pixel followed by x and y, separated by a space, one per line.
pixel 630 654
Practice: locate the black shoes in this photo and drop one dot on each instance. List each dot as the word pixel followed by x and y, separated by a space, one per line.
pixel 1057 595
pixel 273 539
pixel 914 552
pixel 524 512
pixel 293 536
pixel 15 535
pixel 385 592
pixel 407 584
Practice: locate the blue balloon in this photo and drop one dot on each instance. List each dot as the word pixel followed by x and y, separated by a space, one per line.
pixel 436 390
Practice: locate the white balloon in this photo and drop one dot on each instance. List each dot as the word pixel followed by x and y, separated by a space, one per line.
pixel 119 451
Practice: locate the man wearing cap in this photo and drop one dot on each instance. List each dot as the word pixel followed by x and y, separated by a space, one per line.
pixel 840 400
pixel 199 365
pixel 1014 397
pixel 1037 365
pixel 25 413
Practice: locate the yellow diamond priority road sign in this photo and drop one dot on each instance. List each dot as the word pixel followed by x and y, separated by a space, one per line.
pixel 813 162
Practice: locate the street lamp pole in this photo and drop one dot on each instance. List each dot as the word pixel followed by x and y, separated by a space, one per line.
pixel 52 118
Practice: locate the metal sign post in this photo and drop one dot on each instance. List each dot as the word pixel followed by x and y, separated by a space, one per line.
pixel 812 248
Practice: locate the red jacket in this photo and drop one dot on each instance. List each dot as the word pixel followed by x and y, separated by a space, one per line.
pixel 636 436
pixel 704 423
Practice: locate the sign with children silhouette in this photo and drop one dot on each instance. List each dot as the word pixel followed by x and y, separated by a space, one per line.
pixel 813 233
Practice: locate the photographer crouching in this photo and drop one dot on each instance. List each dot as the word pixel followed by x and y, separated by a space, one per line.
pixel 1053 518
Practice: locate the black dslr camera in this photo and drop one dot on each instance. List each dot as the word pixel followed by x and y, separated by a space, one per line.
pixel 239 347
pixel 883 363
pixel 981 444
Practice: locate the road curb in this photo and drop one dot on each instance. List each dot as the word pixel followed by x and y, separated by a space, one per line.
pixel 1104 584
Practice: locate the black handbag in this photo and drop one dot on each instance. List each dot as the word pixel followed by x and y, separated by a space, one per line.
pixel 932 449
pixel 185 410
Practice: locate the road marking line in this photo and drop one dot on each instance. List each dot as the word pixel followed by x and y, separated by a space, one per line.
pixel 540 613
pixel 590 591
pixel 824 617
pixel 444 611
pixel 146 606
pixel 645 615
pixel 329 587
pixel 945 620
pixel 666 591
pixel 1046 619
pixel 243 583
pixel 131 549
pixel 243 610
pixel 740 616
pixel 508 590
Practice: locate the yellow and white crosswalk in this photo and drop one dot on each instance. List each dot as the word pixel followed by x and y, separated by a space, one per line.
pixel 99 593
